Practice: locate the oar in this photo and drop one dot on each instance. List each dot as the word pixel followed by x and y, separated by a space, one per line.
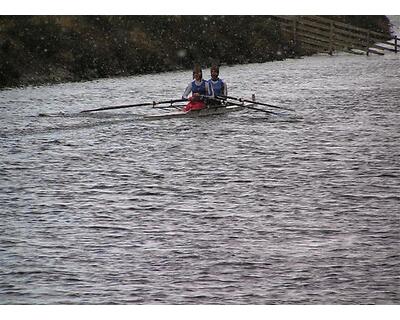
pixel 253 108
pixel 255 102
pixel 266 111
pixel 134 105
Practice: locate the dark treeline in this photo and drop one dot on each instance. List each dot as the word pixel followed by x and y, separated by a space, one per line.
pixel 48 49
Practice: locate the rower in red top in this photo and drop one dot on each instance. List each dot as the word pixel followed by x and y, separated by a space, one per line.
pixel 199 88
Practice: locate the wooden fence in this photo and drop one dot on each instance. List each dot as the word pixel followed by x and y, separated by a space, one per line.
pixel 319 34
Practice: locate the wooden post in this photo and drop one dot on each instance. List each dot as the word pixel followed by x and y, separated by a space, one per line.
pixel 294 30
pixel 395 44
pixel 368 43
pixel 331 39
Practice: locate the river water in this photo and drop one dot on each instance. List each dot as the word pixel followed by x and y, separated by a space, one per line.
pixel 300 208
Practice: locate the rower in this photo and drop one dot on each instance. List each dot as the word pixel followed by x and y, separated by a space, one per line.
pixel 199 88
pixel 218 85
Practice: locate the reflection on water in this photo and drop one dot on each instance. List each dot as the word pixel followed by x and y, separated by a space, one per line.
pixel 238 208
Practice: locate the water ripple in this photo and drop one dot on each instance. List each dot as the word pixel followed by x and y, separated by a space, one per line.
pixel 236 209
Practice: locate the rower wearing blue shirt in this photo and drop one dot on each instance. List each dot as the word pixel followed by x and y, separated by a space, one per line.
pixel 199 88
pixel 218 85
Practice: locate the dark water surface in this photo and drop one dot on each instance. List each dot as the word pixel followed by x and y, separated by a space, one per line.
pixel 232 209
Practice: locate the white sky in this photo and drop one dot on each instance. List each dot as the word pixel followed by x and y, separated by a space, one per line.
pixel 200 7
pixel 193 312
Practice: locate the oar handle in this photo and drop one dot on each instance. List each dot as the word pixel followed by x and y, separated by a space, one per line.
pixel 170 101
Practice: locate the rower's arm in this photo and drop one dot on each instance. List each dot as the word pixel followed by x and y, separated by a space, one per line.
pixel 187 91
pixel 225 89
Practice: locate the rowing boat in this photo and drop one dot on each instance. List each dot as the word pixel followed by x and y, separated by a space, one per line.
pixel 218 105
pixel 207 111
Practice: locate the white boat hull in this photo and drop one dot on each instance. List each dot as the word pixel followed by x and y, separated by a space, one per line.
pixel 209 111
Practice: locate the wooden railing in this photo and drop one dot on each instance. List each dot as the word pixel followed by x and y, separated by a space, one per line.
pixel 319 34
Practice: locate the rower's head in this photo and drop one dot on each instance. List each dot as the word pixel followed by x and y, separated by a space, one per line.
pixel 214 72
pixel 197 73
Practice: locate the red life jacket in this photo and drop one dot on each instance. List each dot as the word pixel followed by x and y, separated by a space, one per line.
pixel 194 105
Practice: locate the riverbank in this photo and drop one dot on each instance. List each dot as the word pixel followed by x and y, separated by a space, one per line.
pixel 50 49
